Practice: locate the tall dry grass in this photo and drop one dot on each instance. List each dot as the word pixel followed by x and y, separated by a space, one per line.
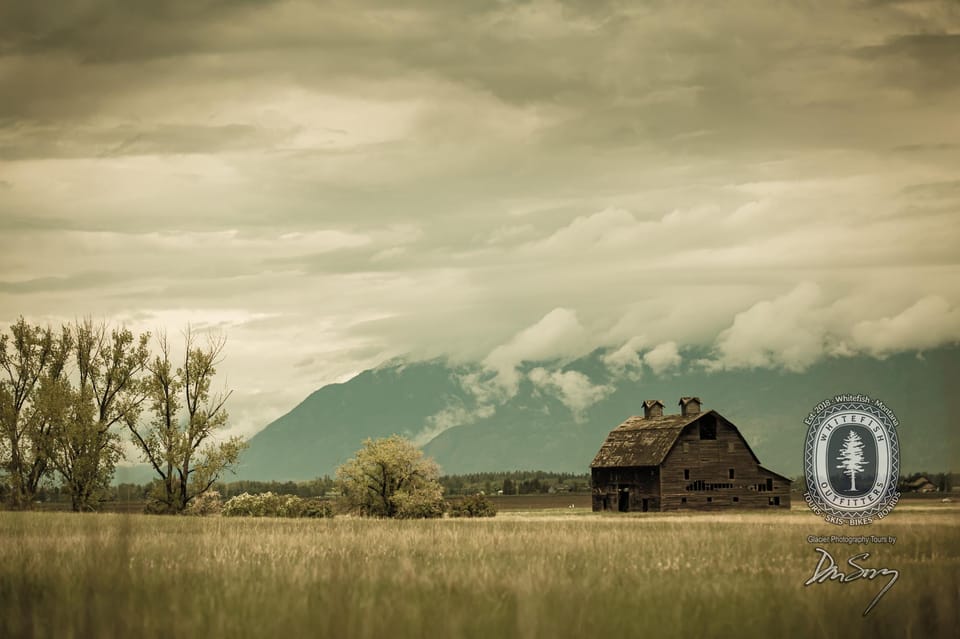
pixel 524 575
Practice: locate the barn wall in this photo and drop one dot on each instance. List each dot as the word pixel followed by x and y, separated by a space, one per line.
pixel 639 483
pixel 709 485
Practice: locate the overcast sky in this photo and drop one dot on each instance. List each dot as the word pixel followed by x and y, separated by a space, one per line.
pixel 337 183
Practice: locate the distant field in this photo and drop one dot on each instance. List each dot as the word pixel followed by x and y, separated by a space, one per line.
pixel 537 502
pixel 553 573
pixel 505 503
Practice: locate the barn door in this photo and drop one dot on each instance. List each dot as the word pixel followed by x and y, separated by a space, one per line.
pixel 624 505
pixel 646 505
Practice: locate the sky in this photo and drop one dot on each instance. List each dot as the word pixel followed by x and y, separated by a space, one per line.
pixel 335 184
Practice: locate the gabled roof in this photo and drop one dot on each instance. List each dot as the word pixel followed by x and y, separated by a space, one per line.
pixel 776 474
pixel 642 442
pixel 645 442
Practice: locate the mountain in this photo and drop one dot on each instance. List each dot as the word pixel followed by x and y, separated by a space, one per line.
pixel 545 424
pixel 326 428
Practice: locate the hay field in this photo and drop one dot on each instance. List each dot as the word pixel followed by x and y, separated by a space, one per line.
pixel 560 573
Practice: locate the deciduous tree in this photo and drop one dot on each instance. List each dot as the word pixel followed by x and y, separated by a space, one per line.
pixel 109 393
pixel 32 361
pixel 180 439
pixel 390 477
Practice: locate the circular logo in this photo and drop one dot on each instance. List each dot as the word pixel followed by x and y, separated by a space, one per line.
pixel 852 460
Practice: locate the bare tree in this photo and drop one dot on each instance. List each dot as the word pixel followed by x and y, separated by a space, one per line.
pixel 179 441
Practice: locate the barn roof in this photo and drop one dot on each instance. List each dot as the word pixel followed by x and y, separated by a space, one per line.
pixel 776 474
pixel 642 442
pixel 645 442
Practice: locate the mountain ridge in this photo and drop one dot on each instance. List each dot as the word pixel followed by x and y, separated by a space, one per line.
pixel 534 427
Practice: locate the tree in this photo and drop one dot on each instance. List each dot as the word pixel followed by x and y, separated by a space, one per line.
pixel 390 477
pixel 179 441
pixel 109 393
pixel 851 457
pixel 32 364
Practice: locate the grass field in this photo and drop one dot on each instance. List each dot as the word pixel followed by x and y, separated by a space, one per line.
pixel 549 573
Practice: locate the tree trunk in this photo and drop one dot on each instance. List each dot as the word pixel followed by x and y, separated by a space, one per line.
pixel 183 484
pixel 20 497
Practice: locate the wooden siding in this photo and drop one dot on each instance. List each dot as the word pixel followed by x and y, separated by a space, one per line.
pixel 707 484
pixel 697 462
pixel 629 487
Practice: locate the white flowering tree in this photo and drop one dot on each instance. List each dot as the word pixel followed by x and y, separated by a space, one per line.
pixel 851 457
pixel 390 477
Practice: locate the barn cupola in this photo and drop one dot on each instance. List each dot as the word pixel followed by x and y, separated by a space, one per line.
pixel 689 406
pixel 652 409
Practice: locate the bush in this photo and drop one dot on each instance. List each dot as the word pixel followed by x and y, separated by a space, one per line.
pixel 288 506
pixel 317 508
pixel 205 504
pixel 473 506
pixel 270 505
pixel 422 503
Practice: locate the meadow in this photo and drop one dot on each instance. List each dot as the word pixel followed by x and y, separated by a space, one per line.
pixel 546 573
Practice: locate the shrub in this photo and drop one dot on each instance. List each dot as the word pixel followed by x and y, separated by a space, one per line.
pixel 207 503
pixel 421 503
pixel 473 506
pixel 271 505
pixel 290 506
pixel 317 508
pixel 243 505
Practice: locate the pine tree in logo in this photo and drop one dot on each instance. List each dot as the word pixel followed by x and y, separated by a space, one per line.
pixel 851 458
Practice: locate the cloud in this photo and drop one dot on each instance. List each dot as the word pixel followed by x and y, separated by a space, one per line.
pixel 574 389
pixel 625 360
pixel 450 417
pixel 557 334
pixel 920 61
pixel 607 228
pixel 782 332
pixel 663 358
pixel 929 323
pixel 432 179
pixel 797 329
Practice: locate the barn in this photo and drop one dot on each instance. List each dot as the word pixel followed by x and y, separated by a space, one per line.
pixel 694 460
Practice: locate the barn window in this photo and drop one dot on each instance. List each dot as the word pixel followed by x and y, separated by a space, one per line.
pixel 686 447
pixel 686 473
pixel 730 472
pixel 709 499
pixel 774 501
pixel 769 484
pixel 683 500
pixel 736 499
pixel 708 427
pixel 729 447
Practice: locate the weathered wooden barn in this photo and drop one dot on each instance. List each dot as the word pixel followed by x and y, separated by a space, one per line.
pixel 696 460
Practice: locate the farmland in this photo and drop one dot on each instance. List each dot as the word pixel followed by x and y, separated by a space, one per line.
pixel 557 572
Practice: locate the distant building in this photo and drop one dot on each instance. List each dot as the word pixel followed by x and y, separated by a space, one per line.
pixel 920 485
pixel 695 460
